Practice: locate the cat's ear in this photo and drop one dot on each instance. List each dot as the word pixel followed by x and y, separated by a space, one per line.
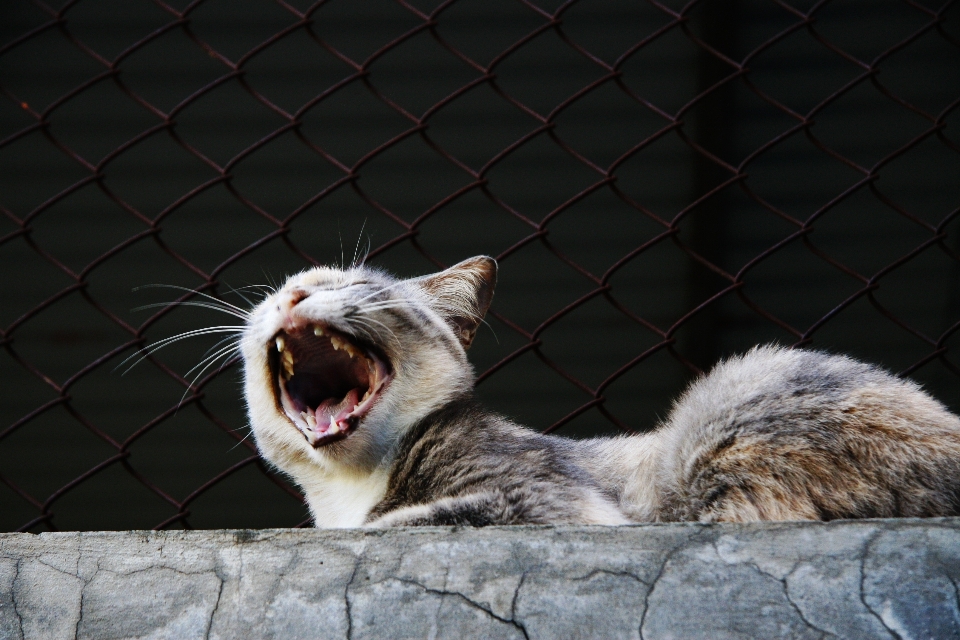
pixel 462 294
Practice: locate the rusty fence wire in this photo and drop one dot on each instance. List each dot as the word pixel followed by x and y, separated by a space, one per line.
pixel 663 183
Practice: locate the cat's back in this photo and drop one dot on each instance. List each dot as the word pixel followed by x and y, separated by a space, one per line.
pixel 794 434
pixel 470 466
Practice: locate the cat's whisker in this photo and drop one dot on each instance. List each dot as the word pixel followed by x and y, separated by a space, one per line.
pixel 353 263
pixel 368 311
pixel 223 352
pixel 273 284
pixel 366 253
pixel 386 304
pixel 194 291
pixel 227 328
pixel 270 288
pixel 243 439
pixel 160 344
pixel 389 301
pixel 490 326
pixel 192 303
pixel 365 322
pixel 189 290
pixel 230 347
pixel 378 292
pixel 245 298
pixel 261 289
pixel 234 344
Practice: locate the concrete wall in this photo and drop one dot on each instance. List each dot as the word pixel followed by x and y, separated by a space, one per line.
pixel 867 579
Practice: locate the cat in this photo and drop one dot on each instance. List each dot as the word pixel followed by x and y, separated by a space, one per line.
pixel 358 387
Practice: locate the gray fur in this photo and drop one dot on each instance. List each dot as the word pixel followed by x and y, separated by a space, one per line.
pixel 472 467
pixel 776 434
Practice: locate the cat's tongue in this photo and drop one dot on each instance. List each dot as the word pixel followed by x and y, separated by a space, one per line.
pixel 330 419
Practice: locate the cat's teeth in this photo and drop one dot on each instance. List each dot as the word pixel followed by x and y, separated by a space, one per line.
pixel 287 358
pixel 339 344
pixel 311 421
pixel 365 396
pixel 334 429
pixel 317 331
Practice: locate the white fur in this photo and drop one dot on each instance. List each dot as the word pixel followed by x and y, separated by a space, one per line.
pixel 342 483
pixel 628 464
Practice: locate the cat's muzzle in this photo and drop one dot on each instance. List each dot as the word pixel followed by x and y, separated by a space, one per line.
pixel 326 381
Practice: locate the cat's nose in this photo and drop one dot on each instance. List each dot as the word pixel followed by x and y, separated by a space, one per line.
pixel 290 299
pixel 287 301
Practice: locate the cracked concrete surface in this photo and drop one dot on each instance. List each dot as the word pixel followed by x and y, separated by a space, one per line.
pixel 865 579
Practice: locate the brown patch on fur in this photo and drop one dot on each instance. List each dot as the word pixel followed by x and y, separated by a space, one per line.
pixel 884 454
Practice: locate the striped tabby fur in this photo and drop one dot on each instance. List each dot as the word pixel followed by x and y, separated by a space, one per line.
pixel 775 434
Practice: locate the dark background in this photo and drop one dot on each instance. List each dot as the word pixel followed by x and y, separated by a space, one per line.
pixel 664 184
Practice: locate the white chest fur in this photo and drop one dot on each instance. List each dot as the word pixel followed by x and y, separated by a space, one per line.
pixel 341 500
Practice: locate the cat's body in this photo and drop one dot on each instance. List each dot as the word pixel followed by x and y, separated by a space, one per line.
pixel 358 387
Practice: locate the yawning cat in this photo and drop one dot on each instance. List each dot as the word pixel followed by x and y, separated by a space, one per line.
pixel 358 387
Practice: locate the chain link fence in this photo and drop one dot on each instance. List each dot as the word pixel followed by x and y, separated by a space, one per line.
pixel 663 184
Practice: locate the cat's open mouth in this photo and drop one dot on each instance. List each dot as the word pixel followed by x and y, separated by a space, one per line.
pixel 326 381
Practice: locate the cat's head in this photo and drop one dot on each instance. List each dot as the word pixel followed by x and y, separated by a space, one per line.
pixel 338 364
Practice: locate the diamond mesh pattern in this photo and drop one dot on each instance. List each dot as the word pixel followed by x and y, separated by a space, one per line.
pixel 683 181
